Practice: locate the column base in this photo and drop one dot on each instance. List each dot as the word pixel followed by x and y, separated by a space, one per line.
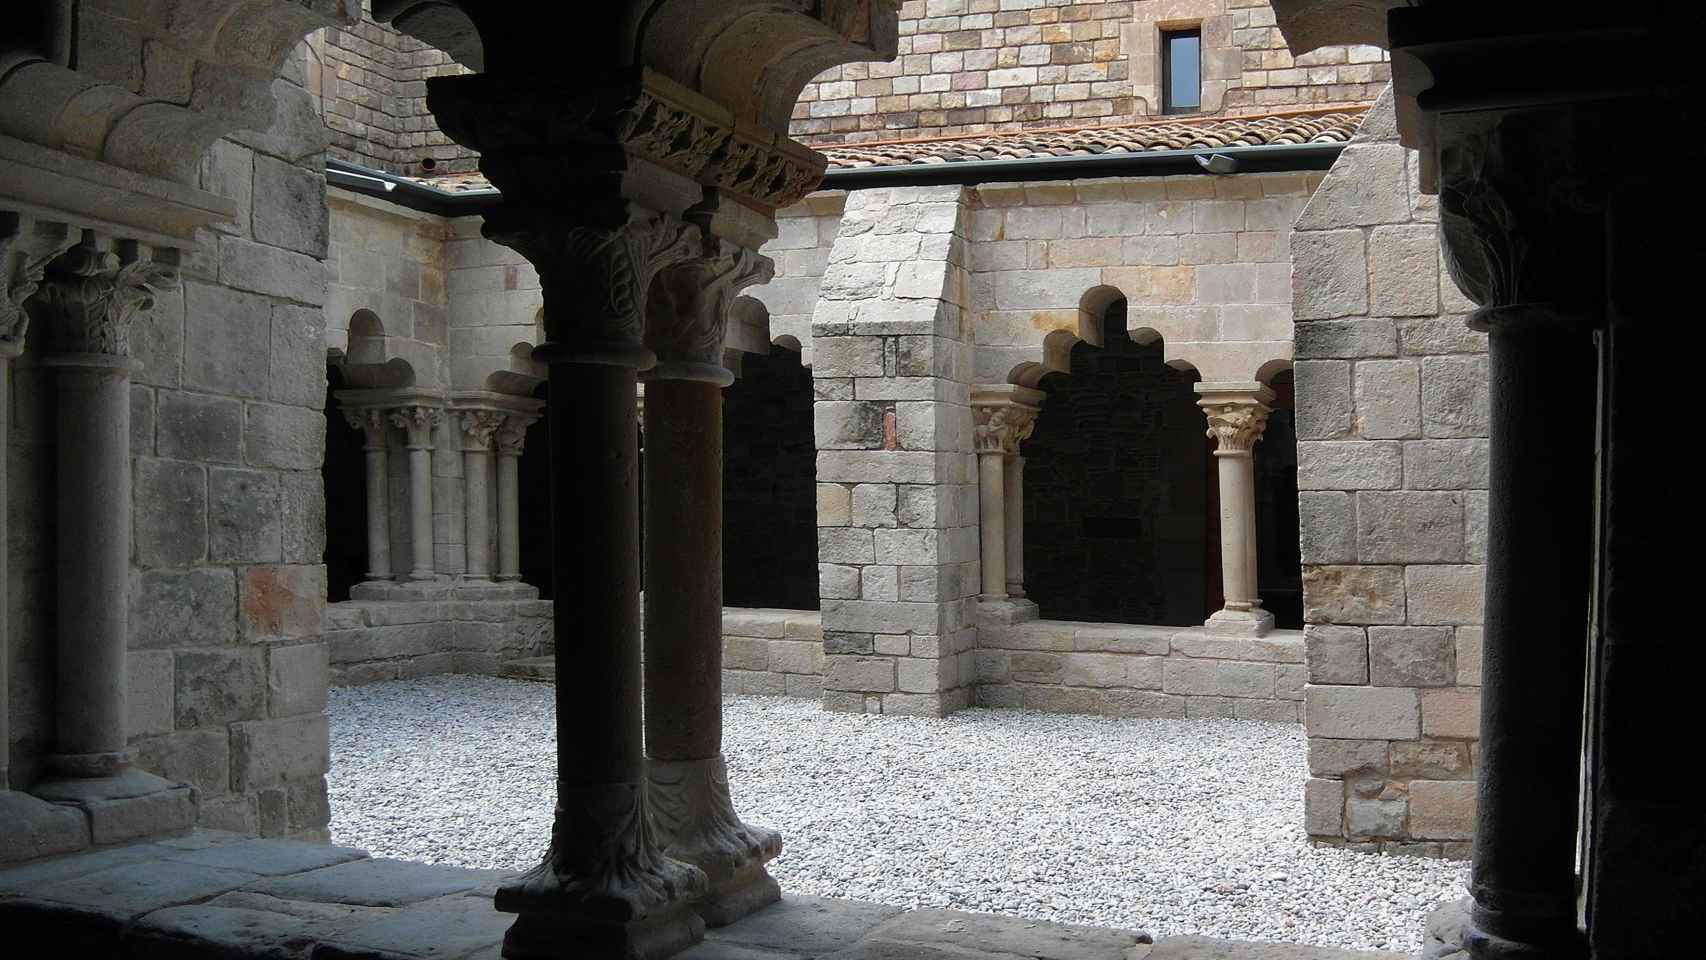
pixel 1556 936
pixel 36 828
pixel 605 888
pixel 697 824
pixel 1006 610
pixel 1254 622
pixel 131 805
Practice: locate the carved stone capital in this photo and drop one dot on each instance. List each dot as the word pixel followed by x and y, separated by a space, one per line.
pixel 512 433
pixel 604 860
pixel 687 315
pixel 1237 415
pixel 89 295
pixel 418 422
pixel 27 246
pixel 372 422
pixel 1002 420
pixel 477 428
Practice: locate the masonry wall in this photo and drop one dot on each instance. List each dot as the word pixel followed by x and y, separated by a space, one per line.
pixel 1392 469
pixel 979 66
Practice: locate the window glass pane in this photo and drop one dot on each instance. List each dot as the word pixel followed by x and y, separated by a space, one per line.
pixel 1184 71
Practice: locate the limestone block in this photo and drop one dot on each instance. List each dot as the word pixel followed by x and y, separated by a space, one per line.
pixel 243 520
pixel 1336 653
pixel 893 645
pixel 36 829
pixel 288 438
pixel 1144 704
pixel 802 685
pixel 1226 283
pixel 302 516
pixel 1468 642
pixel 879 582
pixel 1445 594
pixel 171 513
pixel 1431 759
pixel 1266 322
pixel 1347 339
pixel 1452 712
pixel 1388 399
pixel 289 207
pixel 1403 270
pixel 270 270
pixel 1408 527
pixel 1454 397
pixel 873 504
pixel 1353 594
pixel 1329 276
pixel 133 818
pixel 1411 656
pixel 836 642
pixel 1368 186
pixel 1446 464
pixel 1284 647
pixel 267 753
pixel 1093 670
pixel 281 602
pixel 1442 809
pixel 296 679
pixel 149 704
pixel 1339 758
pixel 841 425
pixel 297 358
pixel 1327 521
pixel 227 337
pixel 834 504
pixel 905 546
pixel 1475 526
pixel 228 169
pixel 925 675
pixel 868 674
pixel 1430 335
pixel 848 545
pixel 1224 678
pixel 1043 289
pixel 201 758
pixel 193 426
pixel 1324 403
pixel 1362 713
pixel 1349 465
pixel 1374 817
pixel 218 687
pixel 917 506
pixel 1064 700
pixel 866 616
pixel 182 608
pixel 746 653
pixel 1109 637
pixel 837 581
pixel 157 341
pixel 876 466
pixel 795 656
pixel 1323 807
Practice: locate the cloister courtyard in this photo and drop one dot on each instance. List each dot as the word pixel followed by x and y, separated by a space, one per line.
pixel 1174 827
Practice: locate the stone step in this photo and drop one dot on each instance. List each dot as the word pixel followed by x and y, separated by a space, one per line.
pixel 532 668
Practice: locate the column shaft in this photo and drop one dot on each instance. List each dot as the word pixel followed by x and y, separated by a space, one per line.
pixel 1237 528
pixel 420 510
pixel 476 477
pixel 93 564
pixel 1014 494
pixel 1539 553
pixel 509 515
pixel 992 518
pixel 378 507
pixel 9 349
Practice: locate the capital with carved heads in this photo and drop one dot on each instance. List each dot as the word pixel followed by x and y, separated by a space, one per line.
pixel 477 428
pixel 1003 416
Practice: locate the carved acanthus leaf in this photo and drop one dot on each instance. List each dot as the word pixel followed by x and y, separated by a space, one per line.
pixel 90 294
pixel 688 316
pixel 27 246
pixel 478 427
pixel 372 423
pixel 512 435
pixel 418 422
pixel 696 820
pixel 1236 426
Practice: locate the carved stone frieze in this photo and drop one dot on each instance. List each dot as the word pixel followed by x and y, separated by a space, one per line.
pixel 1001 427
pixel 89 295
pixel 27 246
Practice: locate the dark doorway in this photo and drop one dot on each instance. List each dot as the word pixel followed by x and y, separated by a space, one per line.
pixel 533 481
pixel 770 485
pixel 1114 489
pixel 1279 558
pixel 344 476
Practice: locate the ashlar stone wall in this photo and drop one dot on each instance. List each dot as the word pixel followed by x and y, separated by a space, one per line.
pixel 804 234
pixel 1392 469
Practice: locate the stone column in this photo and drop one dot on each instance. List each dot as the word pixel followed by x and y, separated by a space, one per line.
pixel 687 316
pixel 511 437
pixel 418 423
pixel 1533 655
pixel 85 305
pixel 477 429
pixel 1001 419
pixel 1013 493
pixel 1237 413
pixel 373 425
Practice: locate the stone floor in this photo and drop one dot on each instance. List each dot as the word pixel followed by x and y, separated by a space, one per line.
pixel 215 895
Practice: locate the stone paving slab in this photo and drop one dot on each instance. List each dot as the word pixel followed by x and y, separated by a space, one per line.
pixel 269 858
pixel 130 890
pixel 219 933
pixel 378 882
pixel 1035 939
pixel 1204 948
pixel 448 928
pixel 805 926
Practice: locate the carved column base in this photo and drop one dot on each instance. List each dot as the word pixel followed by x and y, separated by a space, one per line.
pixel 605 888
pixel 697 823
pixel 1251 622
pixel 1482 945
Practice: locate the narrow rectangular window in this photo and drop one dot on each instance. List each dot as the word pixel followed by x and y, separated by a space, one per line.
pixel 1181 71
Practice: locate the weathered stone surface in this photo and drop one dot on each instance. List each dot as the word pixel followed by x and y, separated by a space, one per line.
pixel 289 207
pixel 148 675
pixel 1006 935
pixel 1388 399
pixel 1324 403
pixel 1374 817
pixel 1452 712
pixel 36 829
pixel 271 270
pixel 1356 339
pixel 1336 653
pixel 872 675
pixel 1403 270
pixel 171 513
pixel 1405 527
pixel 1368 186
pixel 1327 522
pixel 302 516
pixel 1411 656
pixel 1430 759
pixel 1144 704
pixel 1445 594
pixel 1337 758
pixel 201 758
pixel 1353 594
pixel 243 521
pixel 297 367
pixel 1349 465
pixel 267 753
pixel 455 925
pixel 194 426
pixel 1203 948
pixel 227 337
pixel 816 926
pixel 1446 464
pixel 377 882
pixel 1228 678
pixel 281 602
pixel 296 679
pixel 288 438
pixel 1329 276
pixel 267 857
pixel 1323 808
pixel 1454 397
pixel 131 889
pixel 1469 656
pixel 1442 809
pixel 1369 713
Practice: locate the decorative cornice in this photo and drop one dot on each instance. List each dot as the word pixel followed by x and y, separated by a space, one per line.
pixel 27 246
pixel 89 295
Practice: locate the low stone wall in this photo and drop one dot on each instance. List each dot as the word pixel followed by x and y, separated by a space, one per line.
pixel 396 631
pixel 1120 670
pixel 774 652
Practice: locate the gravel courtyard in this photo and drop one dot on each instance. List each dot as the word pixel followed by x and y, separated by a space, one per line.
pixel 1172 826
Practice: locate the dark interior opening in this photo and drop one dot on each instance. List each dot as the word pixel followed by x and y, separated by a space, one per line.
pixel 344 479
pixel 1117 474
pixel 533 479
pixel 770 485
pixel 1279 557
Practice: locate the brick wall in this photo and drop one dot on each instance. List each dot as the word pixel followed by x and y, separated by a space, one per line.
pixel 976 66
pixel 1392 468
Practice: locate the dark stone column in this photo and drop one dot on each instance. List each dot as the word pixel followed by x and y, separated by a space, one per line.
pixel 696 819
pixel 1542 368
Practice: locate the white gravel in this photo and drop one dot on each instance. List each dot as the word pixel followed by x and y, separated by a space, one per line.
pixel 1172 826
